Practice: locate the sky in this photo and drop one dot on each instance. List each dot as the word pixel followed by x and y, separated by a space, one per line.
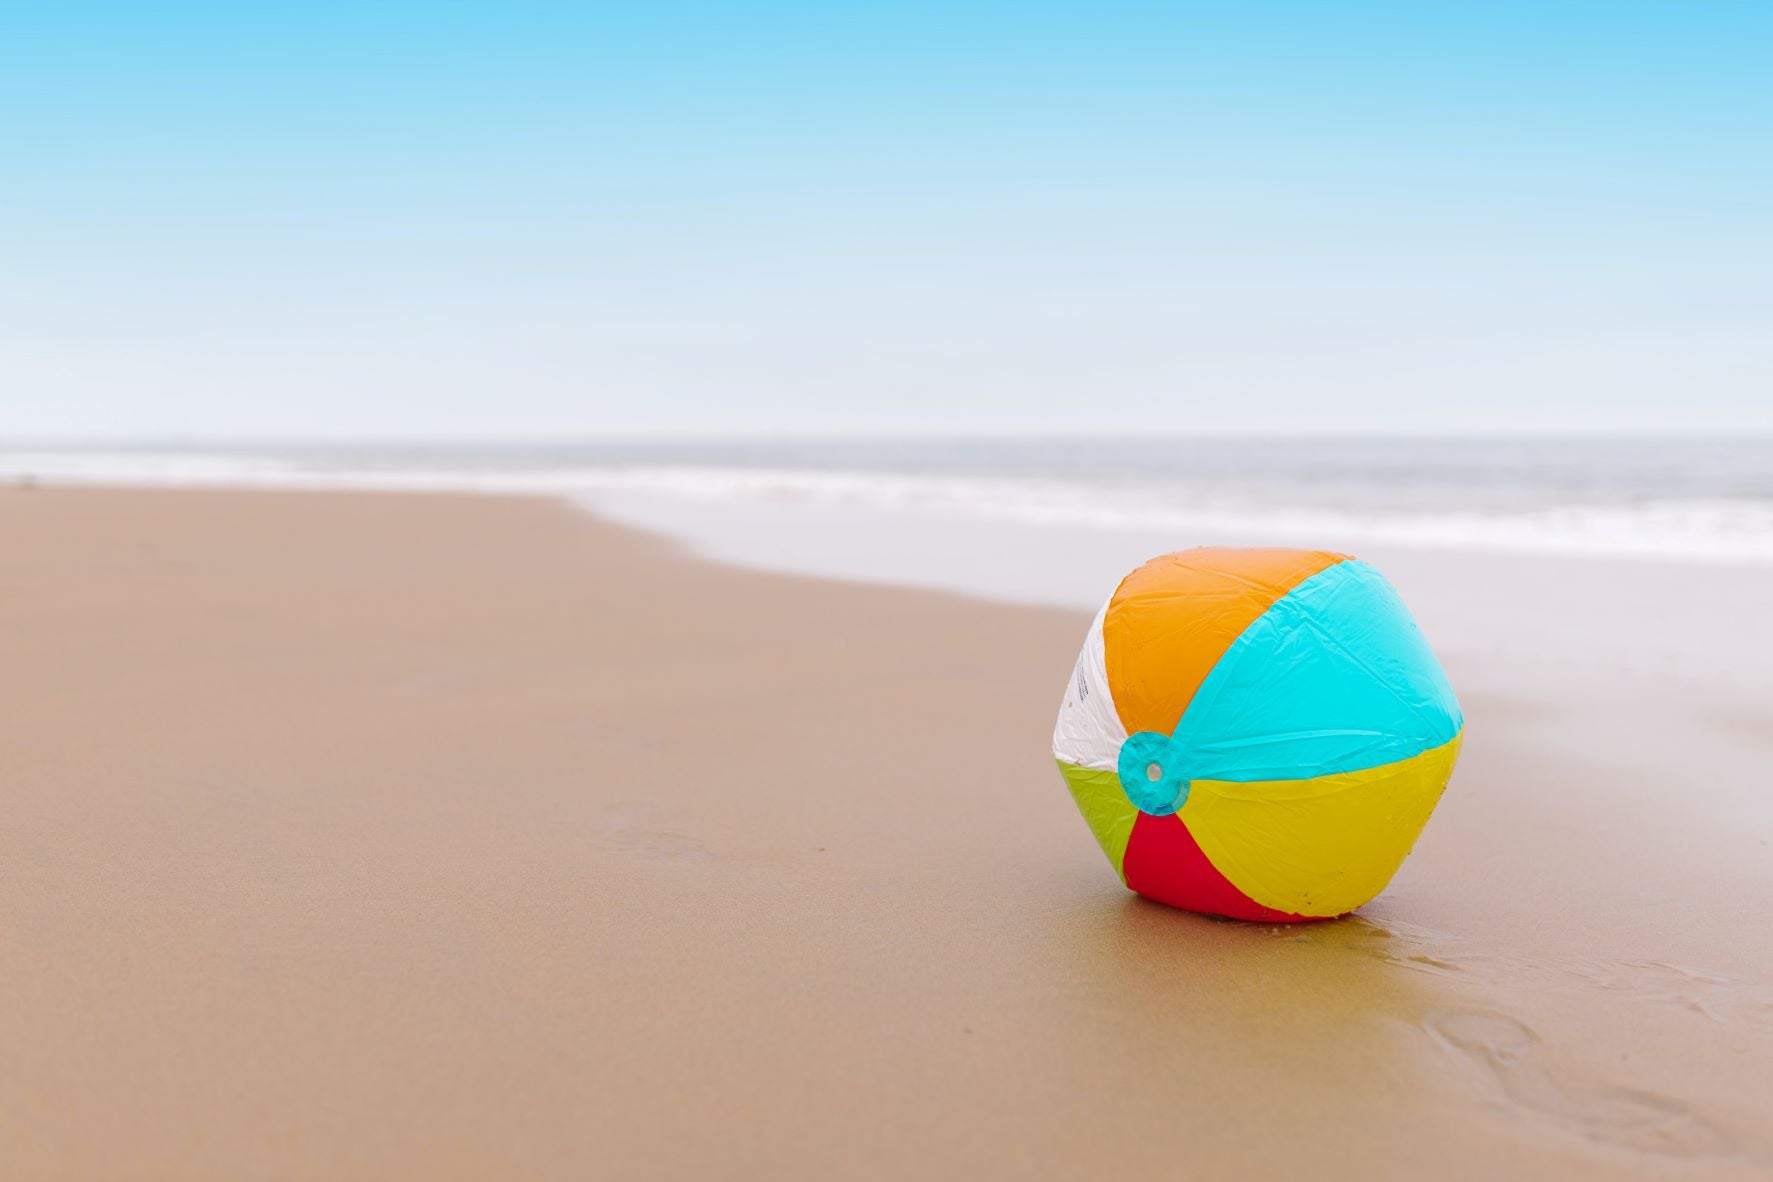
pixel 547 220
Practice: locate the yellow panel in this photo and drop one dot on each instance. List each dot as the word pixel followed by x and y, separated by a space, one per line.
pixel 1107 809
pixel 1322 846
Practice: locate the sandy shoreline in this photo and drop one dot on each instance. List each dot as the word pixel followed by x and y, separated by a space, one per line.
pixel 436 836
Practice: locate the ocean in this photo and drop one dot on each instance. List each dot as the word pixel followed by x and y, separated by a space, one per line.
pixel 1690 499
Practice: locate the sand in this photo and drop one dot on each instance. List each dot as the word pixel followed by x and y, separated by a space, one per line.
pixel 383 836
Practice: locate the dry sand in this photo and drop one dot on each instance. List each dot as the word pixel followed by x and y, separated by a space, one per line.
pixel 437 837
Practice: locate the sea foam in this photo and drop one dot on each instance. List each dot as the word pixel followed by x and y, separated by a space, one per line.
pixel 1712 528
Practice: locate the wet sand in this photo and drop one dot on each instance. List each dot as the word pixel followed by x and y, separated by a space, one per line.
pixel 382 836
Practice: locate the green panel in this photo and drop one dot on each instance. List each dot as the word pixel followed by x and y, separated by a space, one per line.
pixel 1107 809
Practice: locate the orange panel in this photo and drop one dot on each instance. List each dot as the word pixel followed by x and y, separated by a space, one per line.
pixel 1172 619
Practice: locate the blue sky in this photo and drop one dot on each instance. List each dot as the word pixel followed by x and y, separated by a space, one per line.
pixel 544 219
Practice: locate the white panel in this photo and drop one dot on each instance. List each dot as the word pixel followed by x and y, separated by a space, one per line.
pixel 1089 733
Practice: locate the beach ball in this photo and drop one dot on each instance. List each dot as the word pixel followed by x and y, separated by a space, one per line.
pixel 1254 733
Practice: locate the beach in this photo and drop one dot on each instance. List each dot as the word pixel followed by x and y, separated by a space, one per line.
pixel 387 835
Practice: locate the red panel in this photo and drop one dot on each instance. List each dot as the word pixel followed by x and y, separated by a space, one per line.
pixel 1164 863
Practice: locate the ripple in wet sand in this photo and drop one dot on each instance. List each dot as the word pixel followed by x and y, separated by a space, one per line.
pixel 1509 1055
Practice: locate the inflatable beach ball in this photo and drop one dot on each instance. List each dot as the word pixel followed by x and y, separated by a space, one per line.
pixel 1258 734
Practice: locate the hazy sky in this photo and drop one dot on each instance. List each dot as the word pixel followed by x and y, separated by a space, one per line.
pixel 339 219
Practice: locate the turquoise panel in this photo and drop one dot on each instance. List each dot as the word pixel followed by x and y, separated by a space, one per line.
pixel 1334 677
